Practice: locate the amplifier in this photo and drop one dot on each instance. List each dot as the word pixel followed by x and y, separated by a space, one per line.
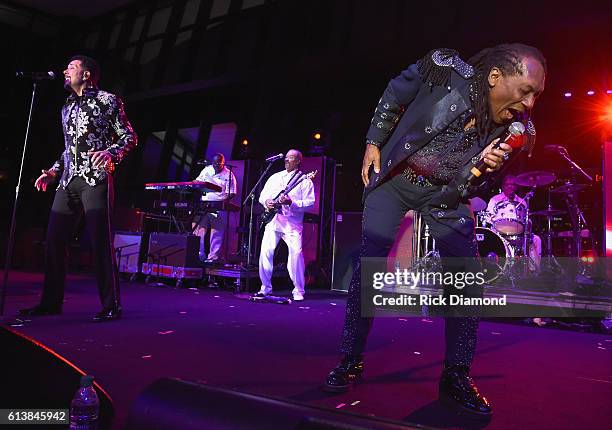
pixel 173 255
pixel 174 249
pixel 347 241
pixel 347 244
pixel 129 251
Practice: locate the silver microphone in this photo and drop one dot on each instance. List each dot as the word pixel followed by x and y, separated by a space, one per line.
pixel 275 157
pixel 36 76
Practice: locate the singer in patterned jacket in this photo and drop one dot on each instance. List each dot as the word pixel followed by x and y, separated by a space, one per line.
pixel 97 136
pixel 434 119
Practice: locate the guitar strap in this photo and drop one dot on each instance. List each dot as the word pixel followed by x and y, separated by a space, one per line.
pixel 297 175
pixel 289 183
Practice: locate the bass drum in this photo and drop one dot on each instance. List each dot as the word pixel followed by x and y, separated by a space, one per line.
pixel 495 253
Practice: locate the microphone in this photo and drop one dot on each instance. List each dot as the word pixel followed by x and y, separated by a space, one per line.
pixel 202 162
pixel 36 76
pixel 516 129
pixel 275 157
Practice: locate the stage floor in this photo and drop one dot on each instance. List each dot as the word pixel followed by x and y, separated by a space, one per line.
pixel 536 378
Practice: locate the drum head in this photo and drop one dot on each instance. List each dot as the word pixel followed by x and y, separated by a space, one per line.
pixel 494 252
pixel 509 217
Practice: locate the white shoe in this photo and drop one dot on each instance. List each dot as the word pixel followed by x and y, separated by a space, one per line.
pixel 297 297
pixel 262 292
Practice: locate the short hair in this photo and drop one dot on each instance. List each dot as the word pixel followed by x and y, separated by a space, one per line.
pixel 90 65
pixel 299 154
pixel 509 178
pixel 221 156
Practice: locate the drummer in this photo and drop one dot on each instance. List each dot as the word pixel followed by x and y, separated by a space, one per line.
pixel 508 205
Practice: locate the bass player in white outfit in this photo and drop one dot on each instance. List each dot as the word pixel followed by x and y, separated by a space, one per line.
pixel 287 223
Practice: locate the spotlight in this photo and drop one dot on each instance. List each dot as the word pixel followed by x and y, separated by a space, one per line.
pixel 568 94
pixel 245 142
pixel 590 92
pixel 317 136
pixel 608 91
pixel 607 114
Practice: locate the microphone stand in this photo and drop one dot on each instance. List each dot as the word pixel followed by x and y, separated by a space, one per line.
pixel 11 238
pixel 577 217
pixel 251 197
pixel 575 166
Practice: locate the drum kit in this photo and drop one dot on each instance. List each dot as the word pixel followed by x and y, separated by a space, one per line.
pixel 505 237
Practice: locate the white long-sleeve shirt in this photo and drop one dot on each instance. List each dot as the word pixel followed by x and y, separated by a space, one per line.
pixel 225 179
pixel 289 218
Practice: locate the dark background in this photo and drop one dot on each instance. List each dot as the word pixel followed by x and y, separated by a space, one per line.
pixel 280 70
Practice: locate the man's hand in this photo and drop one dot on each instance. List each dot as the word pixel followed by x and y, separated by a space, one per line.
pixel 100 159
pixel 285 200
pixel 270 204
pixel 494 158
pixel 45 179
pixel 371 157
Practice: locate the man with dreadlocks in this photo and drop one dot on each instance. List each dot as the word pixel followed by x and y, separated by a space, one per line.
pixel 434 121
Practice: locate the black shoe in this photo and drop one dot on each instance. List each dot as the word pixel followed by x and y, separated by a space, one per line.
pixel 39 310
pixel 344 375
pixel 108 315
pixel 458 391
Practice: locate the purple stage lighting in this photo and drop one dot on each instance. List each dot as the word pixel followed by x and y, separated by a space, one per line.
pixel 590 92
pixel 568 94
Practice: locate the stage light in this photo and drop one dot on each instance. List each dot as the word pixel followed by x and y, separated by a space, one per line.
pixel 568 94
pixel 317 136
pixel 607 116
pixel 590 92
pixel 245 142
pixel 608 91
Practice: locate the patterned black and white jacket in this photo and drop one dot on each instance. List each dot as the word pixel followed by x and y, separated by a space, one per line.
pixel 95 121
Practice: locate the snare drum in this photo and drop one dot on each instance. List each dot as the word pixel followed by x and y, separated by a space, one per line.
pixel 494 251
pixel 509 217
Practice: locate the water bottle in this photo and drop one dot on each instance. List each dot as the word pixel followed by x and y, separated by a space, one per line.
pixel 85 406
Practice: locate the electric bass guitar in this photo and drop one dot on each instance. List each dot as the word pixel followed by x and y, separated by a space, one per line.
pixel 269 213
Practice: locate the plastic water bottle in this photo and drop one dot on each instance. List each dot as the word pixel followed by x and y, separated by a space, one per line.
pixel 85 406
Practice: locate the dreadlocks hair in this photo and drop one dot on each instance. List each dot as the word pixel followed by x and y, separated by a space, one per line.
pixel 507 58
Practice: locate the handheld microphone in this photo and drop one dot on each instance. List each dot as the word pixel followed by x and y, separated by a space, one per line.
pixel 36 76
pixel 275 157
pixel 515 130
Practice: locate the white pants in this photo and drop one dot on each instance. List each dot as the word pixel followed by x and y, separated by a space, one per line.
pixel 535 252
pixel 295 261
pixel 216 221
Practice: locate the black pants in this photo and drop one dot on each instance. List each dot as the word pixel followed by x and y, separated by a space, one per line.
pixel 96 204
pixel 453 230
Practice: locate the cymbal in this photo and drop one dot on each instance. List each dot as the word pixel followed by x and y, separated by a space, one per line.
pixel 569 188
pixel 477 204
pixel 549 212
pixel 535 178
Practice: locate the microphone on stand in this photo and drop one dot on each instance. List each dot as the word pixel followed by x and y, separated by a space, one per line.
pixel 515 130
pixel 36 76
pixel 557 148
pixel 275 157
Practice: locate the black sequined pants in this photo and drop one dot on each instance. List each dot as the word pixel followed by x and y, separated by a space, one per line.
pixel 453 230
pixel 95 203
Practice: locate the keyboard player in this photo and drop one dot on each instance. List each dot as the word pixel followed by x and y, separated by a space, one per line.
pixel 213 216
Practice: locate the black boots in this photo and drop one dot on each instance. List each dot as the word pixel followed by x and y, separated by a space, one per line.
pixel 40 310
pixel 345 375
pixel 107 315
pixel 458 391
